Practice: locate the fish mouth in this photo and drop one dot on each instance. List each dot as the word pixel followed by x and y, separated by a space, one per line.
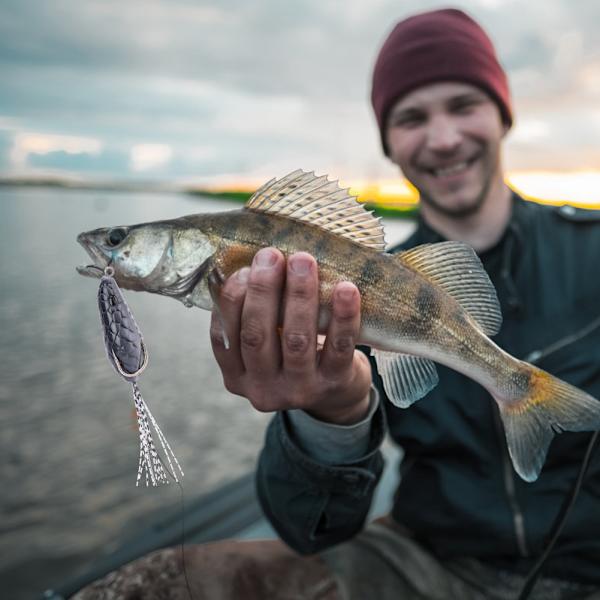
pixel 95 270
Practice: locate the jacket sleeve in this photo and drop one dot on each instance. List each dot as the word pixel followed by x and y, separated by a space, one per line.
pixel 312 505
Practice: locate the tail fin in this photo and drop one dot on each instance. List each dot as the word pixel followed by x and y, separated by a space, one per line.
pixel 549 406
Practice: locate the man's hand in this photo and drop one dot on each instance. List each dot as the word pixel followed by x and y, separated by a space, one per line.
pixel 282 369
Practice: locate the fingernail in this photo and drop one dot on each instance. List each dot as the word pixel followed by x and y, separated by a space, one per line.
pixel 300 264
pixel 243 274
pixel 265 258
pixel 345 291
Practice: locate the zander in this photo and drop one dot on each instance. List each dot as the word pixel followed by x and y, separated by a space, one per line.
pixel 433 303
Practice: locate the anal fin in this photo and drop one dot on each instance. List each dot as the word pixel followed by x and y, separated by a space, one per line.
pixel 406 378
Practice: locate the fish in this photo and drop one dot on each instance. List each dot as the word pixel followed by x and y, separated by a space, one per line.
pixel 430 304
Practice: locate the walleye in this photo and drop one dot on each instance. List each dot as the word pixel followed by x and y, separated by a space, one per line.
pixel 432 303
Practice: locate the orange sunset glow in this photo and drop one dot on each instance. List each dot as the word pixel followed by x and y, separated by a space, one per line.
pixel 578 188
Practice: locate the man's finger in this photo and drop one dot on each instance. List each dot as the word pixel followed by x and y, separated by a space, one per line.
pixel 225 324
pixel 342 333
pixel 299 334
pixel 259 339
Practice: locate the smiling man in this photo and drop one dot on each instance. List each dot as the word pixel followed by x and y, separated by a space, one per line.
pixel 463 525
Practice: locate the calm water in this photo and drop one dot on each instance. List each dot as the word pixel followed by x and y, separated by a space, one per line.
pixel 69 439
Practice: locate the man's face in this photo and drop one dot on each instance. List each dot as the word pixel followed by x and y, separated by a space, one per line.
pixel 446 138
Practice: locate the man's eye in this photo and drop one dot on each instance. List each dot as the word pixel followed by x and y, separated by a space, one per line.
pixel 406 121
pixel 465 107
pixel 462 108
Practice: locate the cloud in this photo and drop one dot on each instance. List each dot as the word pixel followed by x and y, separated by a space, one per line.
pixel 145 157
pixel 260 85
pixel 24 144
pixel 106 164
pixel 531 131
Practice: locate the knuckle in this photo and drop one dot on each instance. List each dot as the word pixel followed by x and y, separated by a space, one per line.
pixel 260 402
pixel 252 335
pixel 231 294
pixel 300 291
pixel 296 343
pixel 232 386
pixel 345 318
pixel 260 286
pixel 330 386
pixel 337 383
pixel 297 400
pixel 343 344
pixel 271 398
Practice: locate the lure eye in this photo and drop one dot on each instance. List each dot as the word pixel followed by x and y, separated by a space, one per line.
pixel 116 236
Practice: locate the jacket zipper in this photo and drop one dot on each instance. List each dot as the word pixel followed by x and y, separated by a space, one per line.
pixel 509 488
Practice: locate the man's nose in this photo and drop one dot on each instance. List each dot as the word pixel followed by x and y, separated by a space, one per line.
pixel 443 134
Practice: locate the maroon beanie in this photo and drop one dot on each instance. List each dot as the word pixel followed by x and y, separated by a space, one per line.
pixel 441 45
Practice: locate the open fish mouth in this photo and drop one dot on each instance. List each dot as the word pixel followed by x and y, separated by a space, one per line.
pixel 96 269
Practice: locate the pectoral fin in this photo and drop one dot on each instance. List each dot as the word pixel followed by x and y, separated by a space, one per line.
pixel 216 280
pixel 406 378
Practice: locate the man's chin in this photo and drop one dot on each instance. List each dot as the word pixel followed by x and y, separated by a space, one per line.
pixel 457 208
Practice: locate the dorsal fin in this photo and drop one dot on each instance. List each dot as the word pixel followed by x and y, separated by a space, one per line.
pixel 305 197
pixel 456 268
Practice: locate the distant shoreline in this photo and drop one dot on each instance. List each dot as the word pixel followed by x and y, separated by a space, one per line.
pixel 121 186
pixel 408 212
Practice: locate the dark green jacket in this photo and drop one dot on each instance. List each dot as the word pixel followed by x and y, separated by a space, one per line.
pixel 458 494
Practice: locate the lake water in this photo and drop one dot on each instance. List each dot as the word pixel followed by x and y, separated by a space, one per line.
pixel 69 438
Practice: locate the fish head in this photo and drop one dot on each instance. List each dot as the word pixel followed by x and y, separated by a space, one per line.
pixel 134 253
pixel 165 257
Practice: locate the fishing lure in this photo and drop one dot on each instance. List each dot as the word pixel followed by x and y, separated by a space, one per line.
pixel 127 353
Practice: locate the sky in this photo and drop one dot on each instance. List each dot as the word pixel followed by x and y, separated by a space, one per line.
pixel 238 90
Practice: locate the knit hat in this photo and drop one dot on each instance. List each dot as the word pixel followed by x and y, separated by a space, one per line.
pixel 440 45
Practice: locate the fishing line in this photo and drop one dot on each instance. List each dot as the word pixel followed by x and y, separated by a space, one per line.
pixel 560 520
pixel 182 504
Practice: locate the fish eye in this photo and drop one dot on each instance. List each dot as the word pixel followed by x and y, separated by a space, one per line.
pixel 116 236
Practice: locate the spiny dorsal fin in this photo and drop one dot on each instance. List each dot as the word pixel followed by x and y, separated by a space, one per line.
pixel 305 197
pixel 456 268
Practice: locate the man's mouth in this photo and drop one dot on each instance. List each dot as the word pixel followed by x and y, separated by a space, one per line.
pixel 456 168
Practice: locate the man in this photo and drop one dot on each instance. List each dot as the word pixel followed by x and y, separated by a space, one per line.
pixel 443 107
pixel 463 524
